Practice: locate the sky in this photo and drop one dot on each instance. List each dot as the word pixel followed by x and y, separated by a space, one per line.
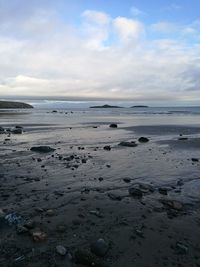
pixel 142 51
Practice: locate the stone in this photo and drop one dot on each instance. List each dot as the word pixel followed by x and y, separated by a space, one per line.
pixel 113 125
pixel 50 212
pixel 17 131
pixel 163 190
pixel 114 196
pixel 108 148
pixel 61 250
pixel 135 192
pixel 195 160
pixel 128 144
pixel 21 229
pixel 39 236
pixel 143 139
pixel 181 248
pixel 42 149
pixel 99 247
pixel 127 180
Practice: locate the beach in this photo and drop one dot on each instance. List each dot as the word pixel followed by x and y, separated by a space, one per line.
pixel 93 182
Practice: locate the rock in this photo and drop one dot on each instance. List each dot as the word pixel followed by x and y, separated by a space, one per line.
pixel 173 204
pixel 195 160
pixel 17 131
pixel 108 148
pixel 42 149
pixel 114 196
pixel 18 127
pixel 183 138
pixel 143 140
pixel 127 180
pixel 61 250
pixel 113 125
pixel 101 179
pixel 181 248
pixel 2 130
pixel 39 236
pixel 84 161
pixel 96 213
pixel 135 192
pixel 163 190
pixel 50 213
pixel 128 144
pixel 21 229
pixel 99 247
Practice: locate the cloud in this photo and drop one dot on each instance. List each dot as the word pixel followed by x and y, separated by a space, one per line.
pixel 101 57
pixel 136 11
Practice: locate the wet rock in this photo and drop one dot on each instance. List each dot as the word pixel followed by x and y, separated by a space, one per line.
pixel 128 144
pixel 195 159
pixel 21 229
pixel 39 236
pixel 181 248
pixel 143 139
pixel 84 161
pixel 183 138
pixel 18 127
pixel 101 179
pixel 127 180
pixel 173 204
pixel 135 192
pixel 146 188
pixel 50 213
pixel 114 196
pixel 2 130
pixel 99 247
pixel 42 149
pixel 61 250
pixel 113 125
pixel 108 148
pixel 163 190
pixel 96 213
pixel 17 131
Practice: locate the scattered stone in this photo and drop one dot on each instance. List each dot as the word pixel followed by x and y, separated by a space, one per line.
pixel 50 213
pixel 42 149
pixel 96 213
pixel 99 247
pixel 61 250
pixel 101 179
pixel 135 192
pixel 113 125
pixel 143 139
pixel 128 144
pixel 108 148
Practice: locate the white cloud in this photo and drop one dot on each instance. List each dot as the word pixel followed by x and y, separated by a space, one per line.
pixel 128 30
pixel 104 56
pixel 136 11
pixel 165 27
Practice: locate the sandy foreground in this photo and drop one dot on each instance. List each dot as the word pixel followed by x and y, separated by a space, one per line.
pixel 142 202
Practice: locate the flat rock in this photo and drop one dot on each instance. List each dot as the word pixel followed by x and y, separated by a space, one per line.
pixel 128 144
pixel 42 149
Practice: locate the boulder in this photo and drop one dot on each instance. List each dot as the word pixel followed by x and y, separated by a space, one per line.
pixel 42 149
pixel 143 139
pixel 113 125
pixel 128 144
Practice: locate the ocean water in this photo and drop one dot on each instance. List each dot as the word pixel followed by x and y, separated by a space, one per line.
pixel 126 116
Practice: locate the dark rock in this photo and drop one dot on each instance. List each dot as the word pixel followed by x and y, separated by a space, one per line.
pixel 163 190
pixel 195 160
pixel 143 140
pixel 114 196
pixel 181 248
pixel 135 192
pixel 113 125
pixel 42 149
pixel 128 144
pixel 172 204
pixel 108 148
pixel 17 131
pixel 127 180
pixel 99 247
pixel 183 138
pixel 180 182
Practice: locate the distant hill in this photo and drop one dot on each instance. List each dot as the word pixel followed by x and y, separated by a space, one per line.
pixel 139 106
pixel 13 105
pixel 106 106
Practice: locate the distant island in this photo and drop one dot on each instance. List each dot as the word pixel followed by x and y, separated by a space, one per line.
pixel 106 106
pixel 139 106
pixel 14 105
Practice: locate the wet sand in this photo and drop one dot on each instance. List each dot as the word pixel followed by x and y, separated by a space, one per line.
pixel 80 193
